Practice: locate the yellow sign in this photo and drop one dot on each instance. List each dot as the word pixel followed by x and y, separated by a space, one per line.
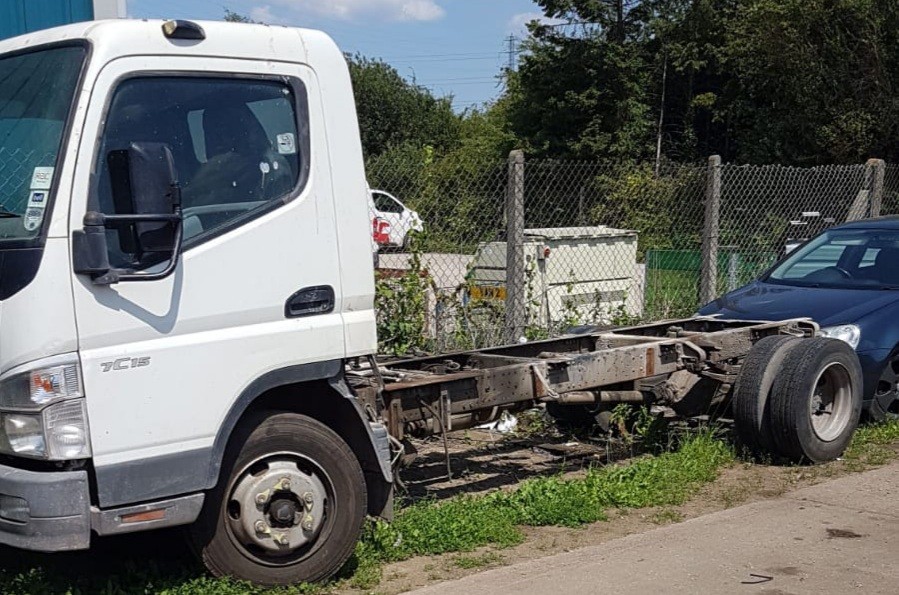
pixel 488 292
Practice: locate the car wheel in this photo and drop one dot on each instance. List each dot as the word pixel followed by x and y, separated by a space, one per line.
pixel 289 507
pixel 752 418
pixel 816 400
pixel 886 396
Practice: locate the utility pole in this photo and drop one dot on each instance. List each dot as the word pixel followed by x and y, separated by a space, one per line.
pixel 512 51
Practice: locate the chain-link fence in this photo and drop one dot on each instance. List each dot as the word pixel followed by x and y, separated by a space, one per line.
pixel 16 168
pixel 478 254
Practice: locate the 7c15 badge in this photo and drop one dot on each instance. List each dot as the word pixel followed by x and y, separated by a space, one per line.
pixel 125 363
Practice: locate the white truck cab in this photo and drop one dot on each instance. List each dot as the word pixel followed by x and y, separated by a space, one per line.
pixel 185 268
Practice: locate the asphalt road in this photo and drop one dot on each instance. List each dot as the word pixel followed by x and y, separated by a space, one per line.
pixel 838 537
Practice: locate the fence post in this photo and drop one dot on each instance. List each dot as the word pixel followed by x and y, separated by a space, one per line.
pixel 516 313
pixel 708 283
pixel 877 169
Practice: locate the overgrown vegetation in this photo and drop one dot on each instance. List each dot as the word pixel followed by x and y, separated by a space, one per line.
pixel 464 523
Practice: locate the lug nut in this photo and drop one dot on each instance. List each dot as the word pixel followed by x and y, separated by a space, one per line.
pixel 309 499
pixel 307 523
pixel 285 484
pixel 262 498
pixel 262 528
pixel 280 538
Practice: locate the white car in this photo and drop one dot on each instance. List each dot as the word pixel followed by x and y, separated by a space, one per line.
pixel 399 218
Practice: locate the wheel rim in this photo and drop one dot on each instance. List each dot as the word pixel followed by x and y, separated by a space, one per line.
pixel 279 508
pixel 831 402
pixel 887 388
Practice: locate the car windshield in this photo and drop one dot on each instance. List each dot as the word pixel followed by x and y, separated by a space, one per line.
pixel 36 91
pixel 848 258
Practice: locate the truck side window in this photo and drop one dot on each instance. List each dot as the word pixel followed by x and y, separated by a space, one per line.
pixel 239 144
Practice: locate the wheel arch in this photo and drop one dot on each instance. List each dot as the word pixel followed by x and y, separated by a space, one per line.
pixel 319 391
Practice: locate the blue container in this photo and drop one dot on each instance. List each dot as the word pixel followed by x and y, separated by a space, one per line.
pixel 23 16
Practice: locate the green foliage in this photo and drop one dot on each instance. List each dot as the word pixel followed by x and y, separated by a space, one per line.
pixel 760 81
pixel 873 445
pixel 584 97
pixel 401 303
pixel 467 522
pixel 661 209
pixel 234 17
pixel 394 113
pixel 811 81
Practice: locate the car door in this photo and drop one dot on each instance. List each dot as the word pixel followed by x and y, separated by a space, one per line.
pixel 391 211
pixel 165 360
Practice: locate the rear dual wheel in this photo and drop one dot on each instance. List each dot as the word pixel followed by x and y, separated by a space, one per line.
pixel 798 399
pixel 752 414
pixel 816 403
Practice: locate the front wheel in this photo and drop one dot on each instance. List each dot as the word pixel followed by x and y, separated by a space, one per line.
pixel 289 507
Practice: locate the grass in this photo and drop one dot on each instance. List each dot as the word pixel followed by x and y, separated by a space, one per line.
pixel 465 523
pixel 872 445
pixel 159 563
pixel 469 562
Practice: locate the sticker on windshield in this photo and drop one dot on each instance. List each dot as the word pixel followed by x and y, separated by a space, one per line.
pixel 38 199
pixel 42 178
pixel 33 218
pixel 287 145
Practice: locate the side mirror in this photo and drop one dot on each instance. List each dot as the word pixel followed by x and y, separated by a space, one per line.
pixel 147 199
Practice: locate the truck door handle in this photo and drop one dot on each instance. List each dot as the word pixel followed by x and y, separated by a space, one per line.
pixel 310 301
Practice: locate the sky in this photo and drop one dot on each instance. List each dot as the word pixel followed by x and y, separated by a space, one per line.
pixel 452 47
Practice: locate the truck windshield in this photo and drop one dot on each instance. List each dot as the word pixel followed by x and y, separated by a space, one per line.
pixel 844 259
pixel 36 92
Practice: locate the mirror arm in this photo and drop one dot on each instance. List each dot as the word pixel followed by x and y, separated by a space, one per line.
pixel 116 275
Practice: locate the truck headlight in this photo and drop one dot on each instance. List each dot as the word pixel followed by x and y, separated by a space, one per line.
pixel 43 413
pixel 848 333
pixel 24 435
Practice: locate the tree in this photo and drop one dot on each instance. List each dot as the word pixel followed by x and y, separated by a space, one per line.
pixel 234 17
pixel 813 81
pixel 393 112
pixel 583 89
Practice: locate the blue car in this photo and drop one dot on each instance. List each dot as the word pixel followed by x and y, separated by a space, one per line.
pixel 847 280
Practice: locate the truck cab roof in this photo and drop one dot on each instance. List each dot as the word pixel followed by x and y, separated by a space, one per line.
pixel 111 39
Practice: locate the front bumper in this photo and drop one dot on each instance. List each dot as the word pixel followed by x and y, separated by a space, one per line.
pixel 44 511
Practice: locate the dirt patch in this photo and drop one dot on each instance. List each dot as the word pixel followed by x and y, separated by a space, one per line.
pixel 483 461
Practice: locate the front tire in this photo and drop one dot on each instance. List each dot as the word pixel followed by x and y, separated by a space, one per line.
pixel 289 506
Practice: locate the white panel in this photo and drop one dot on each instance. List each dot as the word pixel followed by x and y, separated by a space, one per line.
pixel 109 9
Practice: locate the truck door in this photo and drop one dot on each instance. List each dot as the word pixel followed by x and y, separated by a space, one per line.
pixel 165 360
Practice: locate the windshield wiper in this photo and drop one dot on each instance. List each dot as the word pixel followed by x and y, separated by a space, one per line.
pixel 4 214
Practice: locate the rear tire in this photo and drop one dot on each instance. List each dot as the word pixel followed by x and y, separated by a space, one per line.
pixel 816 401
pixel 289 506
pixel 752 417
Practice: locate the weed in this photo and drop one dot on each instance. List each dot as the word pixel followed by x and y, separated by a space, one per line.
pixel 401 304
pixel 666 516
pixel 871 445
pixel 478 561
pixel 533 423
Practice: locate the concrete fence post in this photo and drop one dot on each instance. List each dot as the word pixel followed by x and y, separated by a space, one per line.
pixel 516 308
pixel 876 171
pixel 708 283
